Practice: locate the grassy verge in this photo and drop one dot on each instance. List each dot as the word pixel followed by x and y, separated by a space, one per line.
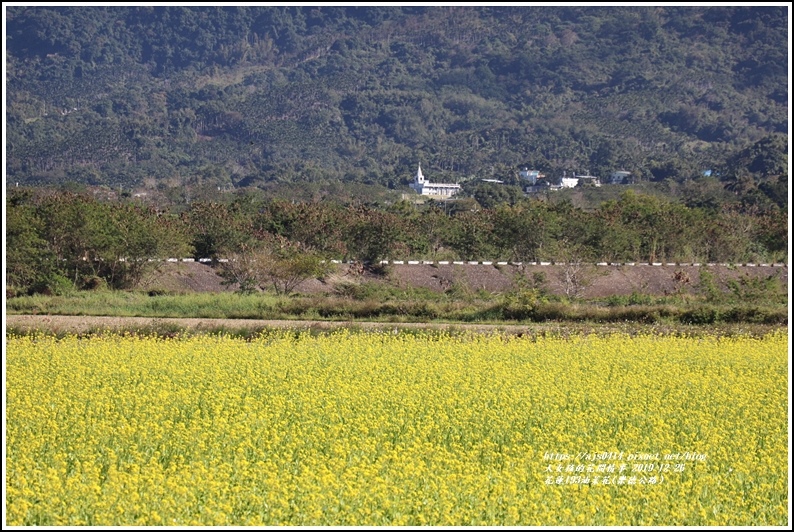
pixel 113 303
pixel 403 307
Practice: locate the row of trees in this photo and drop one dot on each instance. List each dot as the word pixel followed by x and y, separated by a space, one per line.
pixel 59 240
pixel 55 242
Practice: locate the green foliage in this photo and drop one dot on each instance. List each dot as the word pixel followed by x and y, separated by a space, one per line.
pixel 28 259
pixel 373 235
pixel 53 284
pixel 633 299
pixel 388 303
pixel 58 238
pixel 751 289
pixel 82 238
pixel 701 316
pixel 708 287
pixel 766 158
pixel 490 195
pixel 277 263
pixel 290 266
pixel 217 229
pixel 259 95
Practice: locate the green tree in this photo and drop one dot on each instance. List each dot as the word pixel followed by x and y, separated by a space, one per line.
pixel 372 235
pixel 216 229
pixel 140 237
pixel 277 264
pixel 288 266
pixel 29 261
pixel 471 235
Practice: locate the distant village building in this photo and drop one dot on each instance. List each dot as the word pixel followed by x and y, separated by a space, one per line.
pixel 537 182
pixel 569 182
pixel 541 184
pixel 620 177
pixel 426 188
pixel 530 176
pixel 588 180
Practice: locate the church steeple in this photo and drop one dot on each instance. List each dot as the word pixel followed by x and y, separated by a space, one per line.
pixel 419 177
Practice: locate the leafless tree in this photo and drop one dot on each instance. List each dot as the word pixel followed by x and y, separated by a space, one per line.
pixel 575 274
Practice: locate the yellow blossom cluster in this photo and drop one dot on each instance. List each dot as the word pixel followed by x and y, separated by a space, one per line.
pixel 397 429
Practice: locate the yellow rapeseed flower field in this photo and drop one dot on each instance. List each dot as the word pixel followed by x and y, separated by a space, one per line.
pixel 387 429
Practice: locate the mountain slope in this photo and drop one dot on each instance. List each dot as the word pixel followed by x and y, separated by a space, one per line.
pixel 250 95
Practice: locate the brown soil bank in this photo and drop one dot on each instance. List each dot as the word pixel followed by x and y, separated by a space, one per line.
pixel 587 281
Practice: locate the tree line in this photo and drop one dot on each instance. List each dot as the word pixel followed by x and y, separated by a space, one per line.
pixel 58 241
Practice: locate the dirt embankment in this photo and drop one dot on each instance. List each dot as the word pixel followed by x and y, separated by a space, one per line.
pixel 167 326
pixel 588 281
pixel 475 279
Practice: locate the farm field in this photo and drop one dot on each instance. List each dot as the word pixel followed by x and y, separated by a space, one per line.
pixel 410 428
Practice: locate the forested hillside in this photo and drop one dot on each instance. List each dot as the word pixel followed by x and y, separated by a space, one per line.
pixel 250 96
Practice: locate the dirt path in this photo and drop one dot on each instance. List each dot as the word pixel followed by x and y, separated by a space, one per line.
pixel 81 324
pixel 94 323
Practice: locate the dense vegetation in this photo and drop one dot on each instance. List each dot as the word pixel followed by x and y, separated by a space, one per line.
pixel 57 241
pixel 194 97
pixel 176 131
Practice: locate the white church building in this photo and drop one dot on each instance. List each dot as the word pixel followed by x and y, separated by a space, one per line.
pixel 426 188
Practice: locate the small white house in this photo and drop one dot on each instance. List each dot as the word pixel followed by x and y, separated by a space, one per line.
pixel 588 180
pixel 569 182
pixel 426 188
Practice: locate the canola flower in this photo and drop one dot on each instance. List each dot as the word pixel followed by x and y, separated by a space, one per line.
pixel 383 429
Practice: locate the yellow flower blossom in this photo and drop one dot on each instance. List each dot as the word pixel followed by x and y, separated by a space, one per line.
pixel 409 429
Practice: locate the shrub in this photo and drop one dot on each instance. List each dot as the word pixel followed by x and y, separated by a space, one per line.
pixel 708 287
pixel 755 315
pixel 637 298
pixel 95 282
pixel 751 289
pixel 53 285
pixel 700 316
